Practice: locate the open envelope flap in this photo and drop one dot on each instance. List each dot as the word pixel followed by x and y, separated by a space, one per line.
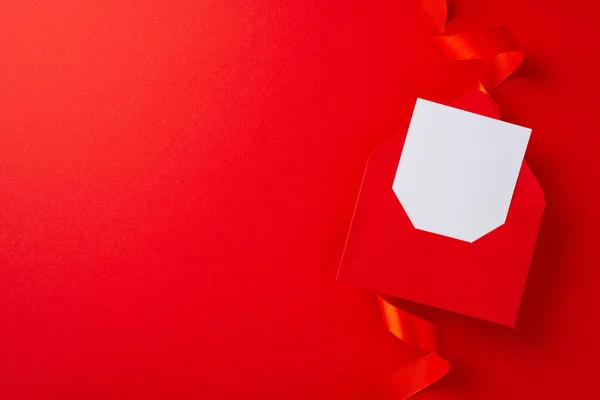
pixel 484 279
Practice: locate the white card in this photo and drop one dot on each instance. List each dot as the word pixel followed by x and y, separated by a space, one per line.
pixel 458 170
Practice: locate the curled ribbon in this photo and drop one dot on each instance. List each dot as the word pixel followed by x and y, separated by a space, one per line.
pixel 501 56
pixel 496 46
pixel 421 334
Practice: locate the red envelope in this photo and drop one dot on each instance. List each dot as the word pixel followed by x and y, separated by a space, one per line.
pixel 483 279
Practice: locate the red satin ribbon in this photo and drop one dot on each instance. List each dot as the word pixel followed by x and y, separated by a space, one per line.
pixel 497 46
pixel 419 333
pixel 501 55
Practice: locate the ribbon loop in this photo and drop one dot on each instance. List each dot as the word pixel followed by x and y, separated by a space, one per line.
pixel 419 333
pixel 496 45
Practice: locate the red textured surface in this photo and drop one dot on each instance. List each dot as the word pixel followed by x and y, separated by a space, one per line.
pixel 176 179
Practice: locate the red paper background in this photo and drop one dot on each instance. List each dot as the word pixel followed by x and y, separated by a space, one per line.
pixel 177 177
